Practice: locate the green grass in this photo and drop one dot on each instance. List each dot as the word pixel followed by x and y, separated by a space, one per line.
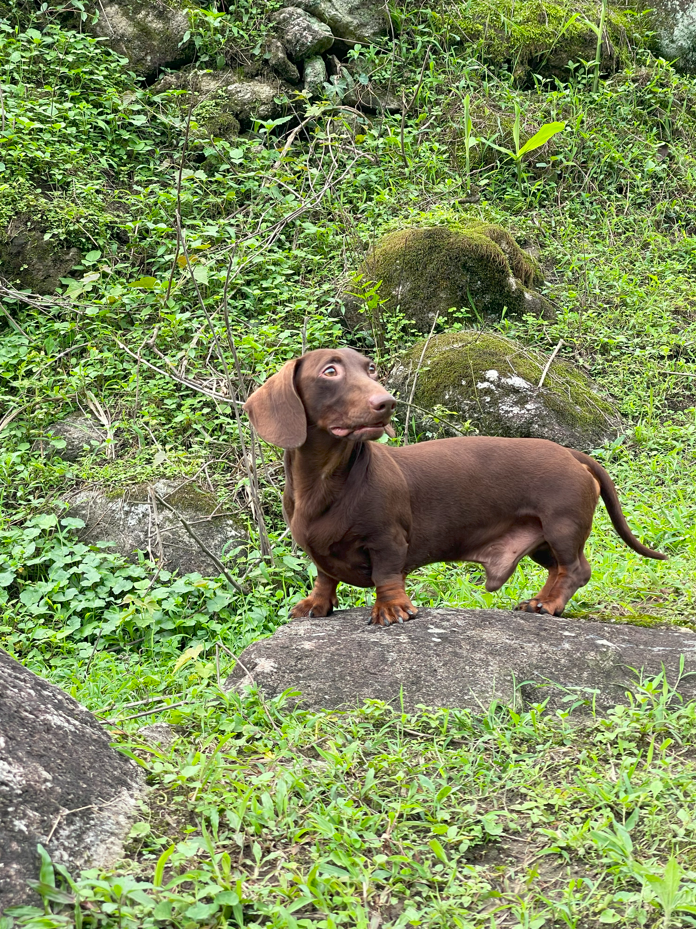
pixel 342 819
pixel 259 815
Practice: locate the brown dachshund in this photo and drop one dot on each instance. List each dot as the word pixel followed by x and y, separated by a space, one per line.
pixel 367 514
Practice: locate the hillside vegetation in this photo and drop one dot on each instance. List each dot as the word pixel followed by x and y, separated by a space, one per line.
pixel 188 261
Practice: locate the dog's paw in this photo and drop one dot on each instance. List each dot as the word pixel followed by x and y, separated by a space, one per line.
pixel 313 606
pixel 536 606
pixel 388 612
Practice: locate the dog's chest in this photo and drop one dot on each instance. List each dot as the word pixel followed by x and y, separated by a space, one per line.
pixel 334 548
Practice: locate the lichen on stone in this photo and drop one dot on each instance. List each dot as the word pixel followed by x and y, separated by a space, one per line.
pixel 492 383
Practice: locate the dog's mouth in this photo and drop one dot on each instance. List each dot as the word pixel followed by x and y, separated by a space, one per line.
pixel 366 431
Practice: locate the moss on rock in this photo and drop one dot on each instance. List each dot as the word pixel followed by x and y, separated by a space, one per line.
pixel 541 37
pixel 490 383
pixel 478 268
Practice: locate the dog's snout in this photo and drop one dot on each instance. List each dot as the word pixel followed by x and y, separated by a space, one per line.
pixel 382 403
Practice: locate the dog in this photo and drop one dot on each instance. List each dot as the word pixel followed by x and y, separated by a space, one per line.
pixel 368 514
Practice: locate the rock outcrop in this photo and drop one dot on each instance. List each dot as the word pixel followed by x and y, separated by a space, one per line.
pixel 61 784
pixel 484 383
pixel 29 261
pixel 302 35
pixel 315 76
pixel 463 658
pixel 354 21
pixel 151 34
pixel 134 520
pixel 473 271
pixel 224 101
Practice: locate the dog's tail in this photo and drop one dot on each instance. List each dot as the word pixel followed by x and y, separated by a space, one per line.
pixel 611 502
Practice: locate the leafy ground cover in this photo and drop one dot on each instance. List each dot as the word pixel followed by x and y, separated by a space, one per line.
pixel 262 815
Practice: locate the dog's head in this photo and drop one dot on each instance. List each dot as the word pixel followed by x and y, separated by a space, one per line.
pixel 334 390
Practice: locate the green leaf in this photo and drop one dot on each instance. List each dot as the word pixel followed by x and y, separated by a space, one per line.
pixel 190 654
pixel 438 850
pixel 145 283
pixel 609 916
pixel 541 137
pixel 202 911
pixel 227 898
pixel 46 873
pixel 200 273
pixel 6 578
pixel 45 521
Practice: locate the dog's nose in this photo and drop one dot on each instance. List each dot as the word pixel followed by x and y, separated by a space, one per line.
pixel 382 403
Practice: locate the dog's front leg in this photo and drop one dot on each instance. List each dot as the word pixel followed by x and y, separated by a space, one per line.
pixel 321 601
pixel 392 603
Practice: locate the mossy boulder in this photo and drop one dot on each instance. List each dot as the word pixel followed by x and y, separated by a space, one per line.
pixel 151 34
pixel 477 269
pixel 29 260
pixel 541 38
pixel 485 383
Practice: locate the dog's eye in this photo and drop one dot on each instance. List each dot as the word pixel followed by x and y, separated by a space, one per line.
pixel 330 371
pixel 372 369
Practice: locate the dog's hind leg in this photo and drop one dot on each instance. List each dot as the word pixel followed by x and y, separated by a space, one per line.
pixel 568 571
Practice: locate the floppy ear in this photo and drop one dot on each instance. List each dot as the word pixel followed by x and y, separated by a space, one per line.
pixel 276 411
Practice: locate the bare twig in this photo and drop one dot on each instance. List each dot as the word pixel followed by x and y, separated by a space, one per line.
pixel 178 203
pixel 8 417
pixel 12 323
pixel 149 712
pixel 549 363
pixel 221 398
pixel 104 418
pixel 197 539
pixel 155 516
pixel 677 373
pixel 249 457
pixel 67 351
pixel 91 657
pixel 127 706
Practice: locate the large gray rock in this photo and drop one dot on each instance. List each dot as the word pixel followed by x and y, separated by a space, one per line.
pixel 490 385
pixel 462 658
pixel 302 35
pixel 354 21
pixel 61 784
pixel 135 520
pixel 149 33
pixel 31 262
pixel 674 22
